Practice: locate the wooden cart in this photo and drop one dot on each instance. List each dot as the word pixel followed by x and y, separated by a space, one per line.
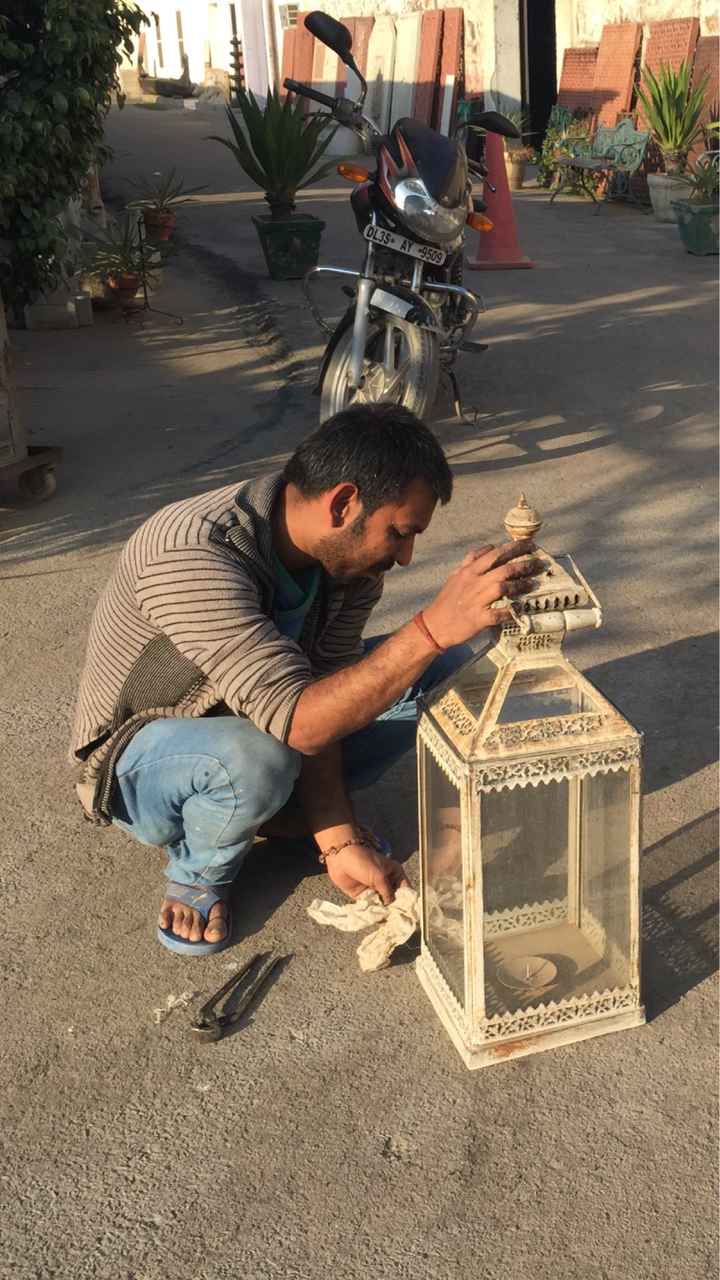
pixel 28 469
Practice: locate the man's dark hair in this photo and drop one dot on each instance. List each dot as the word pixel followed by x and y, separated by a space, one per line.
pixel 380 448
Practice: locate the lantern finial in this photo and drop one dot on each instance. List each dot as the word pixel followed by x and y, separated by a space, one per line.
pixel 522 521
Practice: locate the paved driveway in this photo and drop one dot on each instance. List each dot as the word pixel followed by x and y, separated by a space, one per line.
pixel 338 1134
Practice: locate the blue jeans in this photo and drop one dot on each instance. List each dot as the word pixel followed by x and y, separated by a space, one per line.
pixel 203 787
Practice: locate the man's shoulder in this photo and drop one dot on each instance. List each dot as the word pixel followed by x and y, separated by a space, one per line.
pixel 202 520
pixel 359 592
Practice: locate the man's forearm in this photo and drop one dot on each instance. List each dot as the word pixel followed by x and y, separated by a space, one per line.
pixel 337 705
pixel 324 798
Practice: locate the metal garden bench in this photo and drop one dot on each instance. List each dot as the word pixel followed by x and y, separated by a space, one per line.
pixel 616 153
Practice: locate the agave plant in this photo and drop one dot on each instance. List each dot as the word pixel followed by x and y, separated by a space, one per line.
pixel 673 110
pixel 116 251
pixel 711 129
pixel 163 192
pixel 704 181
pixel 279 147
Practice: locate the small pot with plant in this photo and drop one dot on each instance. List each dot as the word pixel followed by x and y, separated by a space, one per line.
pixel 697 215
pixel 159 197
pixel 517 152
pixel 565 131
pixel 278 146
pixel 673 111
pixel 516 162
pixel 116 258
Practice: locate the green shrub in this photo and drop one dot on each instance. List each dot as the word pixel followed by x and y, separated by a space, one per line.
pixel 564 130
pixel 59 62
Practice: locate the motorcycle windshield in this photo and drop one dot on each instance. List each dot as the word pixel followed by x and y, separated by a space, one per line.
pixel 440 161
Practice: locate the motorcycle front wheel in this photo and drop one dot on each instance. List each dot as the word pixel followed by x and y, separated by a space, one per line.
pixel 401 365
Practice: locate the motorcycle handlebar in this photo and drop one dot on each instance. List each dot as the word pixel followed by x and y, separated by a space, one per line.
pixel 304 91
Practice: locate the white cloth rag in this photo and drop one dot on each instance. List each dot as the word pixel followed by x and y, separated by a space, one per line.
pixel 397 922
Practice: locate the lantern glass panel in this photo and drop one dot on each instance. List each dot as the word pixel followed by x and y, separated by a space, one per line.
pixel 442 892
pixel 536 694
pixel 525 855
pixel 556 868
pixel 606 843
pixel 474 682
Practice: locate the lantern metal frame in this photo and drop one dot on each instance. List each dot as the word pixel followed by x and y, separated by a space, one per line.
pixel 480 755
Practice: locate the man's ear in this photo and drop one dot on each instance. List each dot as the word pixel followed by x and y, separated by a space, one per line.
pixel 344 505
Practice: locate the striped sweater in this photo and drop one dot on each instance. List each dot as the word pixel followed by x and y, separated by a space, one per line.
pixel 184 627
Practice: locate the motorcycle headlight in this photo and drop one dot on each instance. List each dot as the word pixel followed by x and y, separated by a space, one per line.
pixel 424 215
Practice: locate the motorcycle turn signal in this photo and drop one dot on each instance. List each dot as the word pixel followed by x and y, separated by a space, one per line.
pixel 353 172
pixel 479 222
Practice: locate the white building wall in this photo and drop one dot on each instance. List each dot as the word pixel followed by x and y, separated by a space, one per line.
pixel 207 33
pixel 492 45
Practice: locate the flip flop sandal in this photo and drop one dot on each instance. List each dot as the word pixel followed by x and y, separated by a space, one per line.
pixel 202 897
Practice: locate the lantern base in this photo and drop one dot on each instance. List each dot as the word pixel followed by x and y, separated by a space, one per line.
pixel 488 1055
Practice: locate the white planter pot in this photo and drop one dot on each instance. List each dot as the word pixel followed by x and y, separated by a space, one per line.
pixel 663 190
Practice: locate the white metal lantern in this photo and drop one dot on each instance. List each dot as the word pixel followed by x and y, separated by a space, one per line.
pixel 529 790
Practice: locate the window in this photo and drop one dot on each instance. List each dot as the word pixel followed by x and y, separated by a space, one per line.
pixel 288 15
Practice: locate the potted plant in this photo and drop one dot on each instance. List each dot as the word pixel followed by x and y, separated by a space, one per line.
pixel 279 147
pixel 517 153
pixel 116 258
pixel 697 216
pixel 711 129
pixel 673 110
pixel 159 198
pixel 516 160
pixel 565 130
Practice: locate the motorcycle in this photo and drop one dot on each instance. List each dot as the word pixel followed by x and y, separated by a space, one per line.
pixel 410 314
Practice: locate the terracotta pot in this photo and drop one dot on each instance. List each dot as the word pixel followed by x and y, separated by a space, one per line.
pixel 516 173
pixel 158 226
pixel 124 285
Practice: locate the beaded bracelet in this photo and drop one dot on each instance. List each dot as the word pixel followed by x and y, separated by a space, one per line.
pixel 365 839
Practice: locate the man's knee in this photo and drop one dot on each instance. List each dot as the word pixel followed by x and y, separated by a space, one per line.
pixel 275 768
pixel 262 770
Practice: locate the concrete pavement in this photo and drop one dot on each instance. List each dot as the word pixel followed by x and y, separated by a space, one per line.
pixel 339 1134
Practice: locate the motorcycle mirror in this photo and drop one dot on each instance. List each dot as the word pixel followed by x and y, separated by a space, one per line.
pixel 494 122
pixel 332 33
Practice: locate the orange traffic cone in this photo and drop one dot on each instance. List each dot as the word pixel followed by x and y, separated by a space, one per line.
pixel 498 248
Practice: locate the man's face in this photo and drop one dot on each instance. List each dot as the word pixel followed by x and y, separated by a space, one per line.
pixel 370 545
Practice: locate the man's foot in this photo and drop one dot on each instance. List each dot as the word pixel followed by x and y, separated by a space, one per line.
pixel 187 923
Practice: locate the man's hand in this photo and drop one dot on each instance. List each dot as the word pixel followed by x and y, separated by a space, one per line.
pixel 335 706
pixel 463 606
pixel 357 868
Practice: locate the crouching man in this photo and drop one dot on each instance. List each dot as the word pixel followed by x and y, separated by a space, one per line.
pixel 227 684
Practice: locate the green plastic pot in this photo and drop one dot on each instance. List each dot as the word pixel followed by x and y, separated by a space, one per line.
pixel 291 245
pixel 698 226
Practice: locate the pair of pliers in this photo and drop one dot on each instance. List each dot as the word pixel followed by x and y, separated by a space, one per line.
pixel 210 1024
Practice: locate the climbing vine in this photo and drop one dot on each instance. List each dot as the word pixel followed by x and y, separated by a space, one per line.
pixel 58 75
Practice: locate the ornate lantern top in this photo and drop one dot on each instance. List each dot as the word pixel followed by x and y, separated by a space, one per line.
pixel 521 694
pixel 522 521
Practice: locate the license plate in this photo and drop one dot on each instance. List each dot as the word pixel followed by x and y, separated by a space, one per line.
pixel 388 240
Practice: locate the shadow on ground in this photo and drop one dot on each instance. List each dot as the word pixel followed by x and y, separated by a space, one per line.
pixel 680 913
